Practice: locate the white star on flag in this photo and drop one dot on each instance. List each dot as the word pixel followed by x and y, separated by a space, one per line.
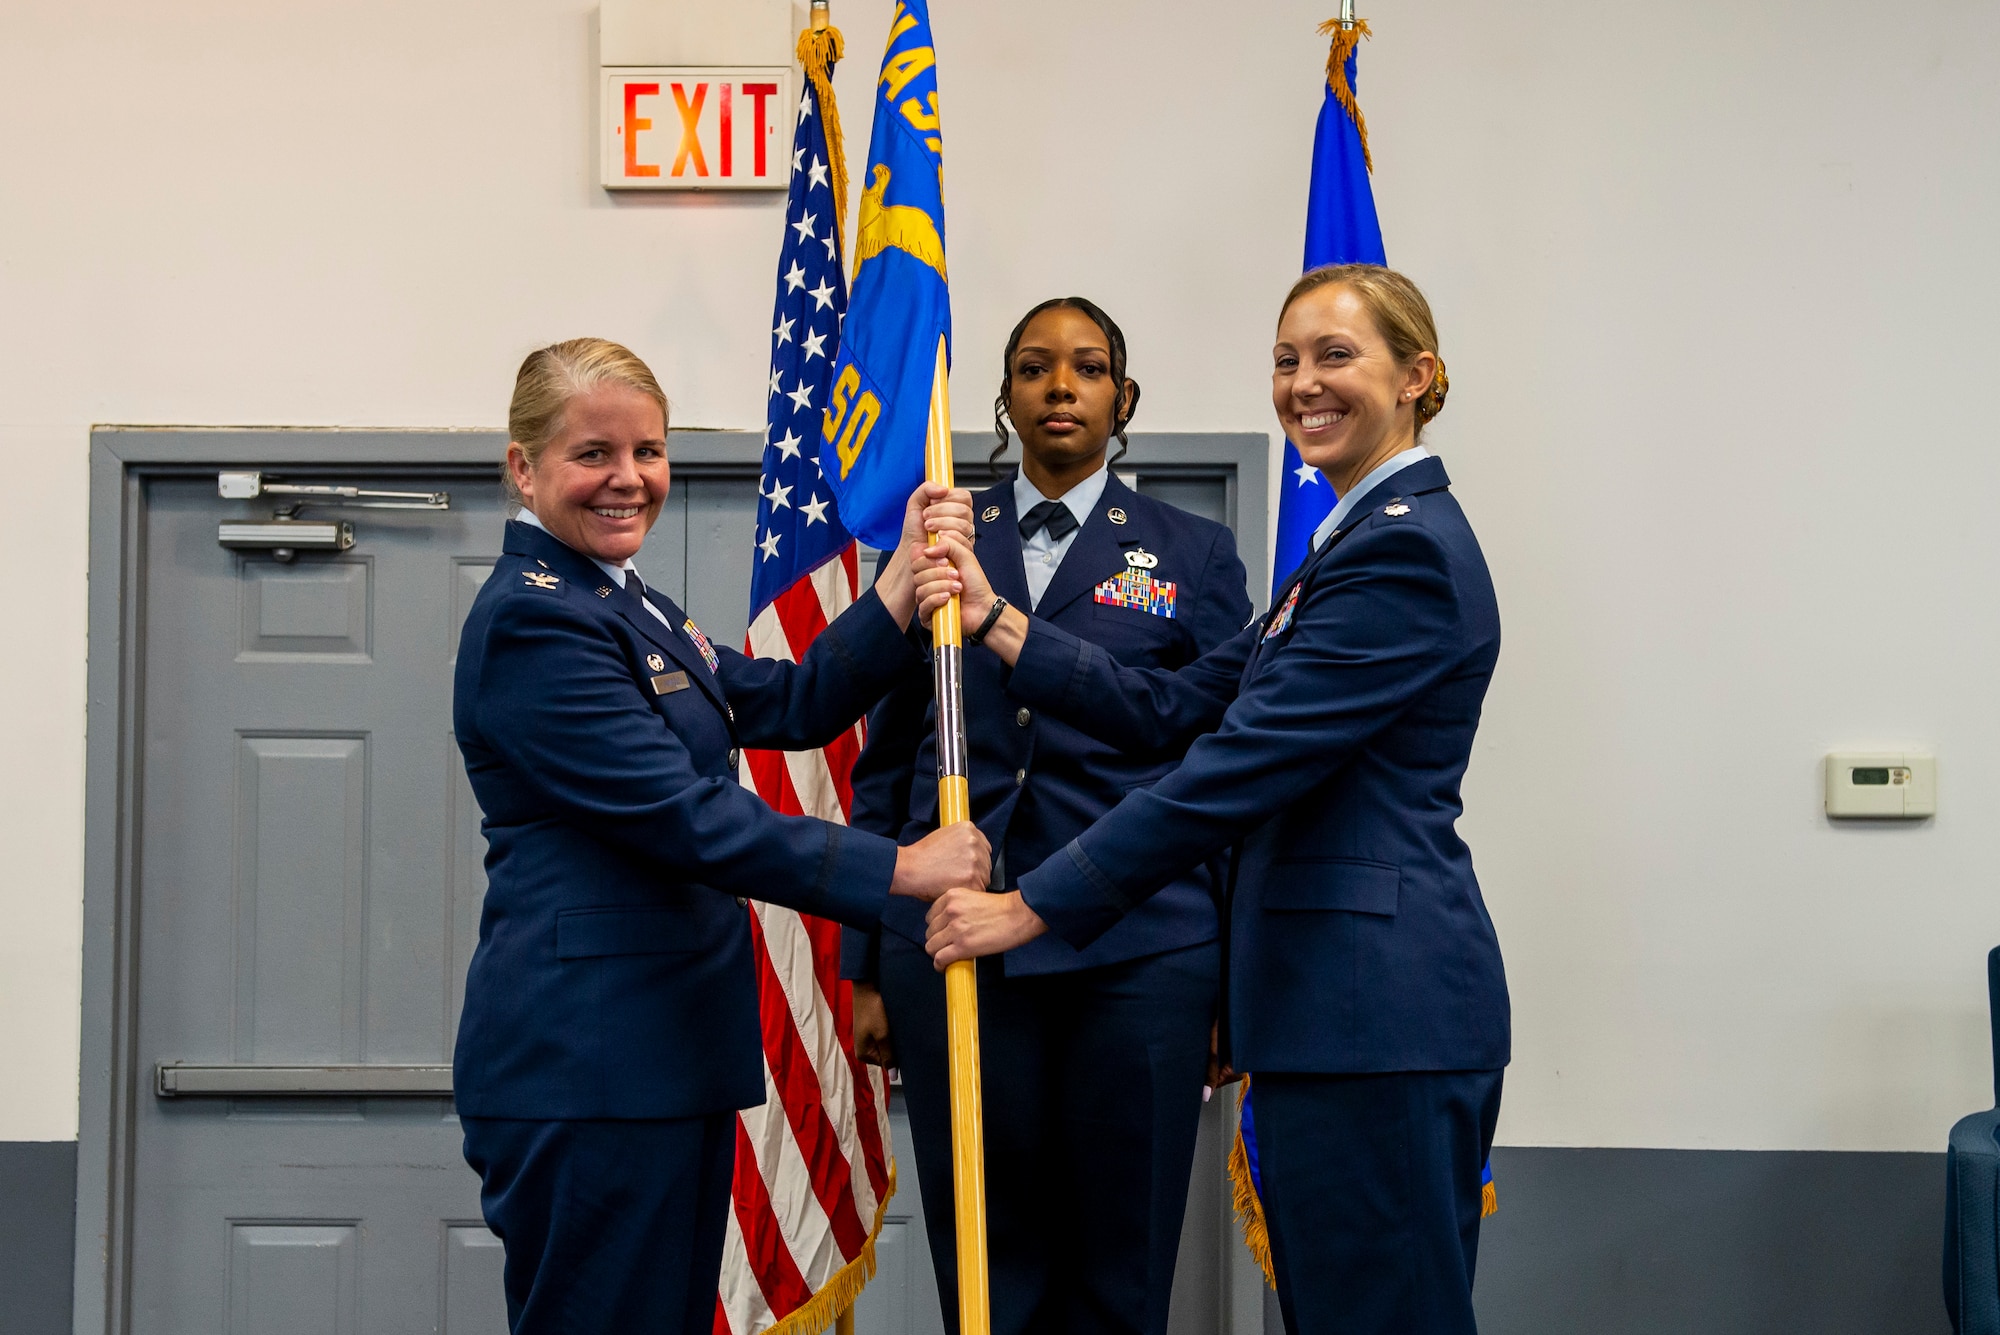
pixel 815 511
pixel 805 106
pixel 777 379
pixel 823 294
pixel 815 344
pixel 804 226
pixel 1306 474
pixel 788 448
pixel 783 333
pixel 796 278
pixel 769 546
pixel 803 395
pixel 776 496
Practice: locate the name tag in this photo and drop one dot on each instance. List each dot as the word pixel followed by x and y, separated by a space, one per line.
pixel 669 682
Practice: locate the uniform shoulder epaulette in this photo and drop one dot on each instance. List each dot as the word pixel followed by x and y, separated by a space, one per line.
pixel 539 576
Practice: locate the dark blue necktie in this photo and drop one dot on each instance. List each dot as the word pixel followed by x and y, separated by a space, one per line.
pixel 1051 515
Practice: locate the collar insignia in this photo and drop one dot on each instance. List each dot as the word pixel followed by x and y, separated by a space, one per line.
pixel 1115 515
pixel 989 514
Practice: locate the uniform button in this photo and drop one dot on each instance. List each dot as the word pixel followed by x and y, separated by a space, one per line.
pixel 1020 777
pixel 734 757
pixel 1022 717
pixel 742 903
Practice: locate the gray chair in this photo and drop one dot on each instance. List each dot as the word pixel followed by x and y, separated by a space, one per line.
pixel 1972 1201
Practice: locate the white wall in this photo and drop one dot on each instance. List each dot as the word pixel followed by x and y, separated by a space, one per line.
pixel 1717 289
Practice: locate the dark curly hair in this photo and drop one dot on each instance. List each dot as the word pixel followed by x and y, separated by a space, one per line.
pixel 1113 335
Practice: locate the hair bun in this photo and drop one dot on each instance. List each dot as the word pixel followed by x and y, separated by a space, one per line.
pixel 1432 401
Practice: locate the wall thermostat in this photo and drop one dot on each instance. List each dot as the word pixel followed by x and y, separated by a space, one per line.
pixel 1893 784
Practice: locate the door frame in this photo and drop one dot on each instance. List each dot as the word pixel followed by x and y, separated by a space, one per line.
pixel 113 1075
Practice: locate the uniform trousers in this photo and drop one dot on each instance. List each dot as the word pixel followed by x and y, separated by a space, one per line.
pixel 1371 1193
pixel 1091 1085
pixel 611 1227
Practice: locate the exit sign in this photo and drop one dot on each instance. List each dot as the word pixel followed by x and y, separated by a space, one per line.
pixel 698 128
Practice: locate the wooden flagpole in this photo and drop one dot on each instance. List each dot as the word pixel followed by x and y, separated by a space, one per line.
pixel 961 987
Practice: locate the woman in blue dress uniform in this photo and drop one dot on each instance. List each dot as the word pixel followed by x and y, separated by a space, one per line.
pixel 1092 1057
pixel 1324 745
pixel 610 1027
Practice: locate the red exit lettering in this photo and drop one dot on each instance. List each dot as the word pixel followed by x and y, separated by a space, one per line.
pixel 708 114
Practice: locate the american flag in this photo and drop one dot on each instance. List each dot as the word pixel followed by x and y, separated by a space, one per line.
pixel 812 1164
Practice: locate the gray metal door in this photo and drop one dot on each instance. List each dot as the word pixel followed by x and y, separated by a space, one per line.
pixel 309 869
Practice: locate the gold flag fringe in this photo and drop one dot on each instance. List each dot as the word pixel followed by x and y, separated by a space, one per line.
pixel 837 1295
pixel 1344 42
pixel 1250 1209
pixel 818 52
pixel 1243 1195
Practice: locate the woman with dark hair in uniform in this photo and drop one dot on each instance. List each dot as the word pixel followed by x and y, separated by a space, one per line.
pixel 1093 1059
pixel 610 1028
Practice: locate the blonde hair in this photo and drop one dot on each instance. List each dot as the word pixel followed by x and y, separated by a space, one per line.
pixel 552 376
pixel 1399 311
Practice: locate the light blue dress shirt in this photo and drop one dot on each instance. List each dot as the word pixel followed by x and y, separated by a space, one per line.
pixel 1387 469
pixel 1041 554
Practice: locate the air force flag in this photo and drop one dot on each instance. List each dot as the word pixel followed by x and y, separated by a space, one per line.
pixel 872 434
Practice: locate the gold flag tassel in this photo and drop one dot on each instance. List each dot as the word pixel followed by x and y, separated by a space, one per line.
pixel 1345 39
pixel 1243 1195
pixel 820 48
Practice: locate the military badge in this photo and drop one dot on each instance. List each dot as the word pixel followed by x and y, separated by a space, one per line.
pixel 989 514
pixel 1141 559
pixel 1283 620
pixel 1115 515
pixel 541 580
pixel 1396 511
pixel 1134 587
pixel 655 662
pixel 701 643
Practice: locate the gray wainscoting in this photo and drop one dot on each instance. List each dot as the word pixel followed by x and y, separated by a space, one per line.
pixel 37 1225
pixel 1587 1242
pixel 1713 1242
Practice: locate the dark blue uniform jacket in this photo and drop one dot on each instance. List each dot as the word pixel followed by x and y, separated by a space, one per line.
pixel 613 973
pixel 1326 743
pixel 1037 781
